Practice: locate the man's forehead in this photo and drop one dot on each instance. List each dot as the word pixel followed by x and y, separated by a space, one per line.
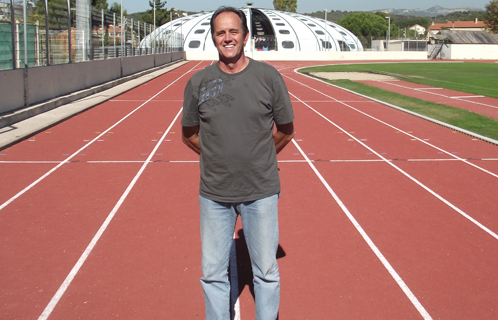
pixel 228 17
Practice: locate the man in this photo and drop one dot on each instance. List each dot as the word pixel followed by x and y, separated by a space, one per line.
pixel 229 112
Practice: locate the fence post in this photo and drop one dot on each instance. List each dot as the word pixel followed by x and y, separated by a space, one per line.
pixel 18 46
pixel 69 29
pixel 13 31
pixel 103 35
pixel 37 43
pixel 132 39
pixel 47 33
pixel 114 32
pixel 25 34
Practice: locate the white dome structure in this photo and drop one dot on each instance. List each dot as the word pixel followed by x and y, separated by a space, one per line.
pixel 270 30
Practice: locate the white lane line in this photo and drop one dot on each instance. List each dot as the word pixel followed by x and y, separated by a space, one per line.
pixel 62 289
pixel 20 193
pixel 369 241
pixel 449 204
pixel 387 124
pixel 290 161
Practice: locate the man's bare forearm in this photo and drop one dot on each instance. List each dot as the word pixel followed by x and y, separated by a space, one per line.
pixel 190 136
pixel 283 136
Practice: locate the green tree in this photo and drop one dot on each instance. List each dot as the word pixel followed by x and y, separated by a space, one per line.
pixel 365 25
pixel 57 13
pixel 162 13
pixel 100 4
pixel 285 5
pixel 116 8
pixel 491 16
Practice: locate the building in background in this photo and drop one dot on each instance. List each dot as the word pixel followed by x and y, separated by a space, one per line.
pixel 270 30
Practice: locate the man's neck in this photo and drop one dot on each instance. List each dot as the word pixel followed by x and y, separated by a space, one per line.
pixel 234 67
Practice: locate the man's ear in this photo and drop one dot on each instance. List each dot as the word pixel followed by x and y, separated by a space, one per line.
pixel 246 37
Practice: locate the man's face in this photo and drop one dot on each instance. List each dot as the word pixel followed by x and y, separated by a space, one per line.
pixel 229 36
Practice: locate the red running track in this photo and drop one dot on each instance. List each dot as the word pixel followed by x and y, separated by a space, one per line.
pixel 383 215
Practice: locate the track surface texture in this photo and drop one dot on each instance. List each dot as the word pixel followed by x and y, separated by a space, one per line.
pixel 383 215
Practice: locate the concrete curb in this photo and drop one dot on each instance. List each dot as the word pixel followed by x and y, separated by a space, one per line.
pixel 26 122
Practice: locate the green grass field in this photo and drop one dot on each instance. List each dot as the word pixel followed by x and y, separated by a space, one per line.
pixel 470 77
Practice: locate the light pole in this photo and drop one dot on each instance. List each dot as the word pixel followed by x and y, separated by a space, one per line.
pixel 388 32
pixel 154 46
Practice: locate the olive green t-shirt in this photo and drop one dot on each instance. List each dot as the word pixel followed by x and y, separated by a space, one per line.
pixel 236 114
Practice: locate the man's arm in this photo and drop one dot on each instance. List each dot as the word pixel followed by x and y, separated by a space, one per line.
pixel 284 134
pixel 190 136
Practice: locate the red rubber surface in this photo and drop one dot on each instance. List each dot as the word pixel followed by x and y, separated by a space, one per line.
pixel 423 195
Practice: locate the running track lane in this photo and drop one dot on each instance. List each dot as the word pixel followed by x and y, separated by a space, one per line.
pixel 392 205
pixel 146 263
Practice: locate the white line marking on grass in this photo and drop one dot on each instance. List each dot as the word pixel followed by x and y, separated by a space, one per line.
pixel 466 97
pixel 20 193
pixel 445 96
pixel 449 204
pixel 369 241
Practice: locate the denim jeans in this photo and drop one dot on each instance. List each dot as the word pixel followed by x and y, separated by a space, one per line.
pixel 260 223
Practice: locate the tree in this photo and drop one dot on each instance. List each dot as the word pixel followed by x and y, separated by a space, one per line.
pixel 100 4
pixel 162 13
pixel 285 5
pixel 116 8
pixel 365 25
pixel 491 16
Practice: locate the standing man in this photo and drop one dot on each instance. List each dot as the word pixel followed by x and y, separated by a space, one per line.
pixel 229 112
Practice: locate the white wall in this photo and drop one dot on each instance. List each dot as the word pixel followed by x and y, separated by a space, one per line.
pixel 474 51
pixel 467 51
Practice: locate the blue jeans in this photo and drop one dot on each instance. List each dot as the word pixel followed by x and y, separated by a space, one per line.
pixel 260 223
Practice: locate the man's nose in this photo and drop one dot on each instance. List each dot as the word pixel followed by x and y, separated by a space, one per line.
pixel 228 37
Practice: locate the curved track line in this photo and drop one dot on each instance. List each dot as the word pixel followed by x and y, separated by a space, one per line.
pixel 20 193
pixel 62 289
pixel 391 126
pixel 369 241
pixel 477 223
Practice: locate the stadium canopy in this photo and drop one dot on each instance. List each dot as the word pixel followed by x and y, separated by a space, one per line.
pixel 270 30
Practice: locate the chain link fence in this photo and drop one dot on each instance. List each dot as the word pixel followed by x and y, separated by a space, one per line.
pixel 66 31
pixel 397 44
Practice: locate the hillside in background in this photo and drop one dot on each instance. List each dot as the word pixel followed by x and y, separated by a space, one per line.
pixel 431 12
pixel 402 19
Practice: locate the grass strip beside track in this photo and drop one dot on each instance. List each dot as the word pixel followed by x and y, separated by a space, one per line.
pixel 461 118
pixel 471 77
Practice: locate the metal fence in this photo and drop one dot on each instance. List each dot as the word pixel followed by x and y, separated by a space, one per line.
pixel 66 31
pixel 397 44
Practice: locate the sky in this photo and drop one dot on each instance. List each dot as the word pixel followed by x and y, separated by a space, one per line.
pixel 305 6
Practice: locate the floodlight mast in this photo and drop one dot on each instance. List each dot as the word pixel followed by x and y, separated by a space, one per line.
pixel 388 32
